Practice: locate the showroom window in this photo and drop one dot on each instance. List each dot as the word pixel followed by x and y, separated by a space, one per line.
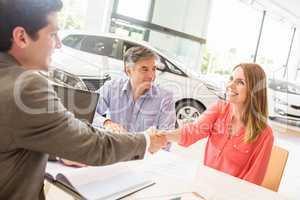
pixel 274 45
pixel 232 35
pixel 295 64
pixel 178 37
pixel 73 14
pixel 138 9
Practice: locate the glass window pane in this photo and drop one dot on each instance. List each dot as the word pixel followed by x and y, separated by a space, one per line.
pixel 232 35
pixel 73 14
pixel 138 9
pixel 274 46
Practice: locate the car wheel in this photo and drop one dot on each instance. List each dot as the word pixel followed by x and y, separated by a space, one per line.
pixel 187 112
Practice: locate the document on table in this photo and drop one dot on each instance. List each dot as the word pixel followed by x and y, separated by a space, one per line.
pixel 107 182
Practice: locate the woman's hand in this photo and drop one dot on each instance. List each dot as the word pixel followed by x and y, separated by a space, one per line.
pixel 171 135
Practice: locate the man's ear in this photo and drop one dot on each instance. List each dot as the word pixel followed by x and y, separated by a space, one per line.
pixel 20 37
pixel 127 70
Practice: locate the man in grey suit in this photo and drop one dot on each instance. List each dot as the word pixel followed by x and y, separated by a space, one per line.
pixel 33 122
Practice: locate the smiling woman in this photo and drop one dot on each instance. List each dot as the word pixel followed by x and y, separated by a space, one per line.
pixel 239 139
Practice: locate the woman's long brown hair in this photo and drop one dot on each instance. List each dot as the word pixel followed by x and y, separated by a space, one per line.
pixel 255 114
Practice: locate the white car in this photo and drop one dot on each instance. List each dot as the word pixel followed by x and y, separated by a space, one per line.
pixel 92 57
pixel 284 101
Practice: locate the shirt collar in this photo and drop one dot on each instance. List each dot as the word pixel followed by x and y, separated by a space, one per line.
pixel 241 130
pixel 126 86
pixel 151 92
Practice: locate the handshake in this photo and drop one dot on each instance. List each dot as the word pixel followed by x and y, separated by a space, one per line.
pixel 159 139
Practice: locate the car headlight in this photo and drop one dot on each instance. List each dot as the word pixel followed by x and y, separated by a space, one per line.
pixel 280 101
pixel 293 90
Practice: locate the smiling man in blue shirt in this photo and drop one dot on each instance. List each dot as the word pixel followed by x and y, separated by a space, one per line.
pixel 135 103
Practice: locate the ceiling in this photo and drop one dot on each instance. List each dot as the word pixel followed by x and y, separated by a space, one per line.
pixel 288 8
pixel 292 6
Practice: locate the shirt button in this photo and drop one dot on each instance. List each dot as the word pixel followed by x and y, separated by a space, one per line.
pixel 234 145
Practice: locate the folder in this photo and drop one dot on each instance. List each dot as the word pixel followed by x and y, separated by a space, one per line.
pixel 97 183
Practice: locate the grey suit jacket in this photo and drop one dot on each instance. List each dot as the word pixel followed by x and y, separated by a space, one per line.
pixel 34 123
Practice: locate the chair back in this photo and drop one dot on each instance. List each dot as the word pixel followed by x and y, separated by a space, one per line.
pixel 275 168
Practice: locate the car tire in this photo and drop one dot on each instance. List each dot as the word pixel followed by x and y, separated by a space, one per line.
pixel 188 111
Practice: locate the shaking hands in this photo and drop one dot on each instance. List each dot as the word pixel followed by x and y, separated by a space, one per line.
pixel 159 139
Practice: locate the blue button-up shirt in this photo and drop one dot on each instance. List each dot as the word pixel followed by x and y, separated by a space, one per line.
pixel 155 108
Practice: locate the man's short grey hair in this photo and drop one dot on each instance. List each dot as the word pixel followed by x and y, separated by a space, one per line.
pixel 137 53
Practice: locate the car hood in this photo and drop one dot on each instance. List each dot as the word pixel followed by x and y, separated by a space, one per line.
pixel 64 60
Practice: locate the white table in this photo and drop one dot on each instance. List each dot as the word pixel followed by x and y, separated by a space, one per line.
pixel 186 176
pixel 175 177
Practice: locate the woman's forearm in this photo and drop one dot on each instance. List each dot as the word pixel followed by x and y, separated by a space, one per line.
pixel 173 135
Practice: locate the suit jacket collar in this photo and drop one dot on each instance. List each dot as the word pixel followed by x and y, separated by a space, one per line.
pixel 7 60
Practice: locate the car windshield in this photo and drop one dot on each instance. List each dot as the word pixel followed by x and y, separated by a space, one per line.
pixel 168 54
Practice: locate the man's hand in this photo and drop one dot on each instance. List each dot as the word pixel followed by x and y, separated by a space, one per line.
pixel 114 127
pixel 156 141
pixel 72 163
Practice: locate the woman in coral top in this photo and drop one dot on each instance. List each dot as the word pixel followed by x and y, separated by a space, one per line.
pixel 239 138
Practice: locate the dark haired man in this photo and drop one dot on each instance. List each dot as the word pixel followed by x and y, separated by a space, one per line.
pixel 33 122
